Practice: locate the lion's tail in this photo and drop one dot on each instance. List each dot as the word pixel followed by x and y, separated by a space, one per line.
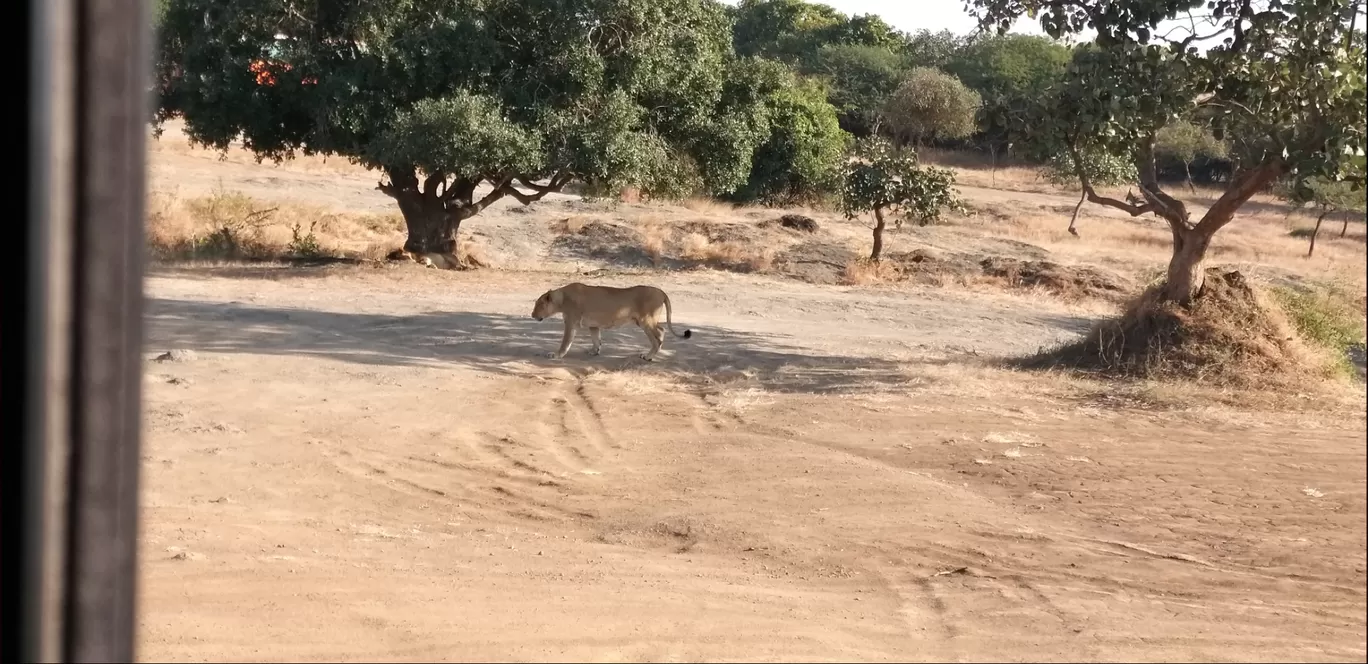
pixel 670 324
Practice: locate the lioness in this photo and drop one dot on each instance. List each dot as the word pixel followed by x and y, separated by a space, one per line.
pixel 600 307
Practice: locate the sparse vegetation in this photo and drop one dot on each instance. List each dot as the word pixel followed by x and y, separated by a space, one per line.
pixel 881 178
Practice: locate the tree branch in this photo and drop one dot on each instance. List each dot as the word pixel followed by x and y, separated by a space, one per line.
pixel 1091 195
pixel 431 181
pixel 1169 208
pixel 401 178
pixel 1242 189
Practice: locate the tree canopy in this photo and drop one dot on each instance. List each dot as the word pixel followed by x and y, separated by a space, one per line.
pixel 931 104
pixel 1286 75
pixel 444 98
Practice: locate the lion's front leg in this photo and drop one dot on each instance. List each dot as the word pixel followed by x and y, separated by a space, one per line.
pixel 566 340
pixel 597 340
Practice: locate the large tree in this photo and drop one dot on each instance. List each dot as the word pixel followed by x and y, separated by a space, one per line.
pixel 1286 74
pixel 461 103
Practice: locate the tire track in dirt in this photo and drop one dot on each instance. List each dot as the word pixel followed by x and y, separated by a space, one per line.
pixel 590 420
pixel 456 485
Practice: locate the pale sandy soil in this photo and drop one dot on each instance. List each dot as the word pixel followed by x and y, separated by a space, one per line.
pixel 376 464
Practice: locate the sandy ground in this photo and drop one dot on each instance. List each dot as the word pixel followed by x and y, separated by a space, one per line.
pixel 377 464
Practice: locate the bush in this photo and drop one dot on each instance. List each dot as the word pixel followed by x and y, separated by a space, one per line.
pixel 931 105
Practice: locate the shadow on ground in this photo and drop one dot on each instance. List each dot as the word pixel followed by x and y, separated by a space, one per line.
pixel 511 345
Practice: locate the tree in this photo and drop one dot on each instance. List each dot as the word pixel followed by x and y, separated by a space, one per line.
pixel 931 49
pixel 459 104
pixel 801 160
pixel 931 105
pixel 1010 72
pixel 1185 141
pixel 881 178
pixel 859 80
pixel 1088 167
pixel 1290 75
pixel 793 31
pixel 1328 197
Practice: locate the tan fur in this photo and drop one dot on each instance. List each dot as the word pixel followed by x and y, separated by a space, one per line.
pixel 603 307
pixel 441 261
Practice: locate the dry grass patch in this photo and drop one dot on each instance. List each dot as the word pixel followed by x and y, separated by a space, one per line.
pixel 1229 337
pixel 866 272
pixel 230 226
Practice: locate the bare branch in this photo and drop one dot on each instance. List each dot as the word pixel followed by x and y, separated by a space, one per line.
pixel 1132 210
pixel 1091 194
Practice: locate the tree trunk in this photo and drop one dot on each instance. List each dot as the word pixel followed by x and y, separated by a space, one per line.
pixel 1316 231
pixel 878 234
pixel 431 229
pixel 1074 219
pixel 992 164
pixel 1186 271
pixel 1345 228
pixel 1187 171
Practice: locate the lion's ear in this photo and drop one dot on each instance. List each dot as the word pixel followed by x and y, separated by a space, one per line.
pixel 557 297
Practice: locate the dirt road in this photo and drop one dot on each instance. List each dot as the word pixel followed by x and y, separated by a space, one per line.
pixel 377 465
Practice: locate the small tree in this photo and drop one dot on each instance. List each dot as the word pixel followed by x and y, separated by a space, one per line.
pixel 1328 197
pixel 1088 167
pixel 1185 141
pixel 1287 74
pixel 881 178
pixel 930 105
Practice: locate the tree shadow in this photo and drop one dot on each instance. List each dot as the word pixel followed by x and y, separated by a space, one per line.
pixel 508 345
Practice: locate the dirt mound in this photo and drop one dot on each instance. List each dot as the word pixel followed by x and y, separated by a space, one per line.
pixel 936 268
pixel 793 222
pixel 815 262
pixel 1227 336
pixel 610 242
pixel 1063 279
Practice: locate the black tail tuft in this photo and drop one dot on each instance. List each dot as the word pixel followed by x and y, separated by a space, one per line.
pixel 688 333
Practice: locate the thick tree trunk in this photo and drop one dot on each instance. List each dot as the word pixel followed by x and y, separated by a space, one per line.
pixel 1074 220
pixel 1316 231
pixel 431 228
pixel 878 235
pixel 1186 269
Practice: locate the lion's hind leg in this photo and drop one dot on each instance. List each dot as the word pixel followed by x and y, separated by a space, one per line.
pixel 655 336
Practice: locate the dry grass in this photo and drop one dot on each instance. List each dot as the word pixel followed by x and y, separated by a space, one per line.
pixel 173 142
pixel 865 272
pixel 1231 336
pixel 230 226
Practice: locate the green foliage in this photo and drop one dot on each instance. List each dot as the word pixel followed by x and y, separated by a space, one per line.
pixel 1322 192
pixel 1327 318
pixel 801 160
pixel 305 244
pixel 883 177
pixel 1009 66
pixel 1099 168
pixel 859 79
pixel 495 91
pixel 465 135
pixel 1289 79
pixel 1010 72
pixel 931 49
pixel 931 105
pixel 793 31
pixel 1185 141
